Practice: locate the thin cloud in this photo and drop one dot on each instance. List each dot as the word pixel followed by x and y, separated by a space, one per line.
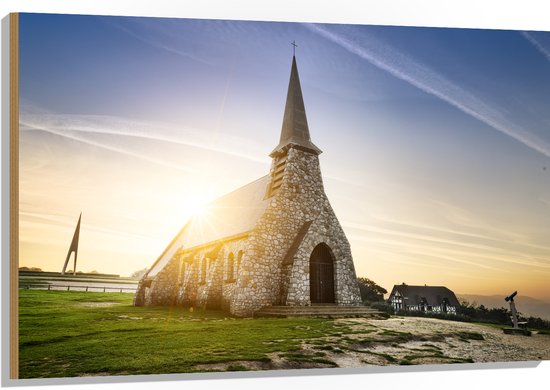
pixel 86 128
pixel 461 249
pixel 390 256
pixel 545 201
pixel 102 145
pixel 49 220
pixel 426 79
pixel 150 39
pixel 543 50
pixel 491 237
pixel 449 258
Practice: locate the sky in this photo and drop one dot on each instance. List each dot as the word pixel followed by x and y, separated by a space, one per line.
pixel 436 141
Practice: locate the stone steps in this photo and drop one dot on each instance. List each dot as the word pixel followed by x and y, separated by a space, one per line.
pixel 327 311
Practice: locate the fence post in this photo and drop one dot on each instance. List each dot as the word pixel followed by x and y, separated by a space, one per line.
pixel 49 285
pixel 86 288
pixel 68 288
pixel 103 289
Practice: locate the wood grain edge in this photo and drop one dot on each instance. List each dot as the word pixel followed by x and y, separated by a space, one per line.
pixel 14 195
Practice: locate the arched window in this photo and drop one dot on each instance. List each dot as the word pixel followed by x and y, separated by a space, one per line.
pixel 239 258
pixel 203 270
pixel 183 268
pixel 230 268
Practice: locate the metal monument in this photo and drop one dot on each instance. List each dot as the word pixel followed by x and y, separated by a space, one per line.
pixel 73 248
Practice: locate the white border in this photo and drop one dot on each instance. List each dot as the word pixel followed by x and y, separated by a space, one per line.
pixel 493 14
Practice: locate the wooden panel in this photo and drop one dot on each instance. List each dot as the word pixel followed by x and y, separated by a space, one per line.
pixel 14 195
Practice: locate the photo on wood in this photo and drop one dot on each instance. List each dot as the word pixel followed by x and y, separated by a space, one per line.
pixel 194 196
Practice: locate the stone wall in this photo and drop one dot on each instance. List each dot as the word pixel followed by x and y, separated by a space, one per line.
pixel 198 278
pixel 187 295
pixel 163 289
pixel 345 281
pixel 300 198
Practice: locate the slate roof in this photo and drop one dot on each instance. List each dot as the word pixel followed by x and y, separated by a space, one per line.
pixel 232 214
pixel 295 130
pixel 434 294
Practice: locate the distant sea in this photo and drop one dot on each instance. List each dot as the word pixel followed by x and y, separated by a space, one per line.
pixel 78 282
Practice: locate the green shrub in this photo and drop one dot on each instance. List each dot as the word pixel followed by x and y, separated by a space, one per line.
pixel 383 307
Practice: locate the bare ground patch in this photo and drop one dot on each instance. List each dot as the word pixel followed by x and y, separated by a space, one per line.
pixel 403 341
pixel 237 365
pixel 97 304
pixel 276 361
pixel 438 341
pixel 361 342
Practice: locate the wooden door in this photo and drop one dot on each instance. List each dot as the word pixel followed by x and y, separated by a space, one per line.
pixel 321 275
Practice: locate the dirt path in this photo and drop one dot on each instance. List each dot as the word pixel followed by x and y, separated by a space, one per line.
pixel 433 341
pixel 496 345
pixel 360 342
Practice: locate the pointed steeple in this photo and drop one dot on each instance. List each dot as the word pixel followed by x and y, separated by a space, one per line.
pixel 295 131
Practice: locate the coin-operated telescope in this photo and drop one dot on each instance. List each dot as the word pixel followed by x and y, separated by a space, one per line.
pixel 510 298
pixel 519 327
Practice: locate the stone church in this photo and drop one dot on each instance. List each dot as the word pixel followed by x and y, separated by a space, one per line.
pixel 273 242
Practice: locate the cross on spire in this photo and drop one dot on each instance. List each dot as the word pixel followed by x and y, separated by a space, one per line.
pixel 293 43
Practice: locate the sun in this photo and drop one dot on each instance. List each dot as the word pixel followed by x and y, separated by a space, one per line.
pixel 195 204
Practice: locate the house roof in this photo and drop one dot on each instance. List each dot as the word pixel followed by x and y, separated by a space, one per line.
pixel 295 130
pixel 230 215
pixel 434 294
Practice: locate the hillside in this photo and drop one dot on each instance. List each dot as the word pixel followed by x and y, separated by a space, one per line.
pixel 525 305
pixel 110 336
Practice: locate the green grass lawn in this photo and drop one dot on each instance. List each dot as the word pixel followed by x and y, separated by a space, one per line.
pixel 65 334
pixel 69 333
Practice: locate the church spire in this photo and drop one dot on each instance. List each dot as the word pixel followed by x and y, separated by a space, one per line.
pixel 295 131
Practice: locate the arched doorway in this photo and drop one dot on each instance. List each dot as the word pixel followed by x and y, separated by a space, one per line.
pixel 321 275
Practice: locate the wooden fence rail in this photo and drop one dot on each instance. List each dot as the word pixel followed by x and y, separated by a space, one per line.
pixel 58 287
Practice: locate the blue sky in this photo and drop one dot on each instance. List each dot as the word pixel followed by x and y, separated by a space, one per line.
pixel 436 141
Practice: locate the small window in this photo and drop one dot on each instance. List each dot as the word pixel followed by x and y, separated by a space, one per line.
pixel 424 304
pixel 230 268
pixel 203 270
pixel 183 269
pixel 239 258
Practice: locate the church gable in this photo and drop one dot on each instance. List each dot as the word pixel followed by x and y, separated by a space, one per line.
pixel 298 218
pixel 305 201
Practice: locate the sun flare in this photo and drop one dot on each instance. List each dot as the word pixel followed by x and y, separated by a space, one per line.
pixel 195 205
